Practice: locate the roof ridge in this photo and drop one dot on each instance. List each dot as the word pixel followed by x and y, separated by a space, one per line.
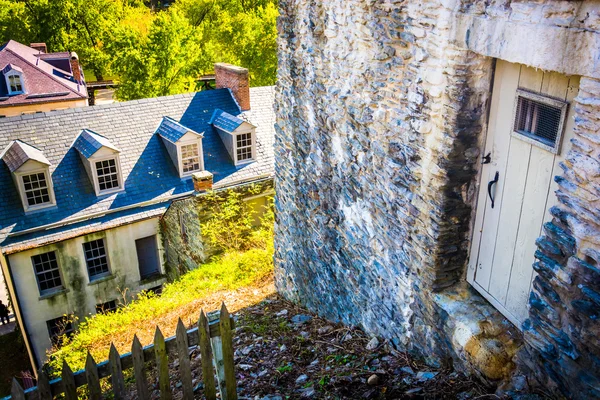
pixel 41 70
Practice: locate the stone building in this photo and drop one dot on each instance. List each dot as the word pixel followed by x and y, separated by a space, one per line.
pixel 438 173
pixel 85 196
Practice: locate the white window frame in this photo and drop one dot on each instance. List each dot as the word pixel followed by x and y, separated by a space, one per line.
pixel 252 133
pixel 180 144
pixel 7 78
pixel 102 275
pixel 19 177
pixel 93 162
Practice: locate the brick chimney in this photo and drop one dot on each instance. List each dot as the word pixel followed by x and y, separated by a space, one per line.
pixel 75 68
pixel 39 47
pixel 203 181
pixel 234 78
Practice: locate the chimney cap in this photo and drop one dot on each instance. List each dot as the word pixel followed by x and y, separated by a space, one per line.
pixel 74 56
pixel 232 68
pixel 39 46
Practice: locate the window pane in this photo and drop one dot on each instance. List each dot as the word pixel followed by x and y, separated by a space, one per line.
pixel 244 146
pixel 108 177
pixel 58 328
pixel 36 189
pixel 46 271
pixel 95 258
pixel 190 158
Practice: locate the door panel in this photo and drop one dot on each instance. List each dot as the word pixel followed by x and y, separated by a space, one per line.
pixel 503 246
pixel 147 254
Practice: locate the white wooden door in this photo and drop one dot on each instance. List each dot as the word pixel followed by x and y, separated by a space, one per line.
pixel 503 245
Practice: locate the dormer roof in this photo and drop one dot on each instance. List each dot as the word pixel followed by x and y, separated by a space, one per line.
pixel 10 67
pixel 18 153
pixel 225 121
pixel 173 131
pixel 89 142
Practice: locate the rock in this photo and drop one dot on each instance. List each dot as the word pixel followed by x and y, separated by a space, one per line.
pixel 301 319
pixel 199 386
pixel 308 393
pixel 302 379
pixel 247 350
pixel 283 347
pixel 347 337
pixel 325 329
pixel 178 385
pixel 304 334
pixel 373 380
pixel 407 370
pixel 270 397
pixel 282 313
pixel 262 373
pixel 412 391
pixel 245 367
pixel 425 375
pixel 373 344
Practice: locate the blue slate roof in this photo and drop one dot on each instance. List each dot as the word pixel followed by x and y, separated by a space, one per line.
pixel 148 172
pixel 89 142
pixel 225 121
pixel 173 130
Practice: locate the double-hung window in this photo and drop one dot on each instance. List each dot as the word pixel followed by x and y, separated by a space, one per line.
pixel 36 190
pixel 96 259
pixel 47 273
pixel 244 146
pixel 15 85
pixel 59 328
pixel 190 158
pixel 108 175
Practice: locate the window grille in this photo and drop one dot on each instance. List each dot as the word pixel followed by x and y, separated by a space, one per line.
pixel 58 328
pixel 539 120
pixel 95 258
pixel 15 83
pixel 107 307
pixel 36 189
pixel 108 176
pixel 244 146
pixel 46 272
pixel 190 158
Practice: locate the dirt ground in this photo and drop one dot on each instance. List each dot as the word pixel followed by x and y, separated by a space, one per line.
pixel 284 352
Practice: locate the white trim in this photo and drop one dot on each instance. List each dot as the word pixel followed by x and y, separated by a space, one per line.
pixel 180 144
pixel 93 162
pixel 21 188
pixel 252 132
pixel 10 73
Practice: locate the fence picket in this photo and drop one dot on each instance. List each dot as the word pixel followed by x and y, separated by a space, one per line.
pixel 17 391
pixel 91 375
pixel 227 343
pixel 43 385
pixel 116 373
pixel 206 356
pixel 185 371
pixel 137 355
pixel 162 365
pixel 68 382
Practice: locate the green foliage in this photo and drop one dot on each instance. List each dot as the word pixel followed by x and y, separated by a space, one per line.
pixel 151 53
pixel 231 271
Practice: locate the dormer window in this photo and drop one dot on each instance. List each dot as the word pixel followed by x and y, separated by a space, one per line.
pixel 238 136
pixel 184 146
pixel 14 79
pixel 31 173
pixel 101 160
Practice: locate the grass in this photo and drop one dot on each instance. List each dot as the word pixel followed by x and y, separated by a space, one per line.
pixel 203 287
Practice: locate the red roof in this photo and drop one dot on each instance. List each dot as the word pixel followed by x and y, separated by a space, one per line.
pixel 43 82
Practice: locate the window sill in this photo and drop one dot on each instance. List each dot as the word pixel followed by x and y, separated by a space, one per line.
pixel 109 192
pixel 101 279
pixel 30 211
pixel 47 296
pixel 244 163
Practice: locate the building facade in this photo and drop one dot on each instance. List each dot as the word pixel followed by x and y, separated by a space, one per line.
pixel 437 172
pixel 84 192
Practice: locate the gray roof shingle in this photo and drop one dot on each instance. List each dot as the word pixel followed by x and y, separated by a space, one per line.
pixel 225 121
pixel 148 172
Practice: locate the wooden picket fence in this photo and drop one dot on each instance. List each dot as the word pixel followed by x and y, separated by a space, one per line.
pixel 214 339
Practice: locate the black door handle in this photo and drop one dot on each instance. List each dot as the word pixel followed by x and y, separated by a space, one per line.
pixel 490 184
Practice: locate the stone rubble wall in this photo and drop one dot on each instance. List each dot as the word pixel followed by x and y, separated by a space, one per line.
pixel 381 112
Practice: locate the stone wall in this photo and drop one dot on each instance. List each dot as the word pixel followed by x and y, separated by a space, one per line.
pixel 381 109
pixel 181 226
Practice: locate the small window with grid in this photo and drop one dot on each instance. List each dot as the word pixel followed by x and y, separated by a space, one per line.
pixel 108 176
pixel 59 328
pixel 244 146
pixel 539 120
pixel 96 259
pixel 15 85
pixel 46 272
pixel 36 189
pixel 190 158
pixel 107 307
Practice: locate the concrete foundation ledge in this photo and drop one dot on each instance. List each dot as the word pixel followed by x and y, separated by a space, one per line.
pixel 481 339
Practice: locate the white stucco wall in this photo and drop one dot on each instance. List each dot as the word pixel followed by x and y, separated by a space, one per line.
pixel 81 296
